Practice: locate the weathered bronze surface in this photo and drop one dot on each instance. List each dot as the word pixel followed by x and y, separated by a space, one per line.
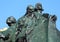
pixel 34 26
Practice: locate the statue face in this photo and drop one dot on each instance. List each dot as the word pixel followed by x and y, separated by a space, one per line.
pixel 10 24
pixel 30 10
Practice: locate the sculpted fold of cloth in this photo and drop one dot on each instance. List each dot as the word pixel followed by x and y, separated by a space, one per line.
pixel 4 37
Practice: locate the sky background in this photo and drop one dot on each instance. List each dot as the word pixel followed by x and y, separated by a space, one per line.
pixel 17 8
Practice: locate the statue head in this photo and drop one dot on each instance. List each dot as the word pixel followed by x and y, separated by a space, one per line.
pixel 54 18
pixel 30 9
pixel 38 6
pixel 11 21
pixel 46 15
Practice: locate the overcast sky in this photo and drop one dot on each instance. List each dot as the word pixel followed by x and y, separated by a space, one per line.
pixel 17 8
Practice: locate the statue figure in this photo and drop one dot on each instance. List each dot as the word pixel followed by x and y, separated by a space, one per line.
pixel 6 34
pixel 29 21
pixel 11 21
pixel 39 27
pixel 26 21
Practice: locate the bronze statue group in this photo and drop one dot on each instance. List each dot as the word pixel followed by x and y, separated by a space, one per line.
pixel 24 29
